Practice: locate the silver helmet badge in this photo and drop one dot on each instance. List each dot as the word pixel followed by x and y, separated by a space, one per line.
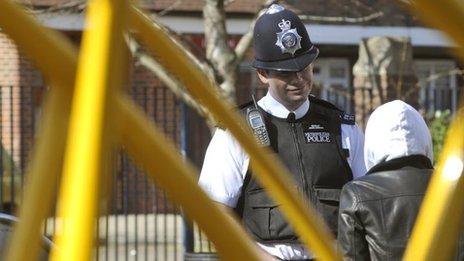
pixel 288 39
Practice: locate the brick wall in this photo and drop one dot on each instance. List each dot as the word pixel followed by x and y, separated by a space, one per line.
pixel 20 86
pixel 19 83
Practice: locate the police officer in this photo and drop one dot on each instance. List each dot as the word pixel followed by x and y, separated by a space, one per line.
pixel 320 145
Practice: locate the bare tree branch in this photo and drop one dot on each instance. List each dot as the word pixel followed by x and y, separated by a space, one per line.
pixel 180 41
pixel 246 40
pixel 170 7
pixel 172 83
pixel 67 7
pixel 342 19
pixel 228 2
pixel 360 4
pixel 218 52
pixel 374 80
pixel 243 45
pixel 406 2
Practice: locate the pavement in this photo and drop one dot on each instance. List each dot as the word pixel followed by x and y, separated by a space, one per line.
pixel 140 237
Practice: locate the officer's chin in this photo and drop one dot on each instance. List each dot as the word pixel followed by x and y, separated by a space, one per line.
pixel 298 98
pixel 299 93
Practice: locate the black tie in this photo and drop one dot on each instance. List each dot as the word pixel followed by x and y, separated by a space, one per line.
pixel 291 117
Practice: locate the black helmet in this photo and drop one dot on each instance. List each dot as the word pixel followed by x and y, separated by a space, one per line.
pixel 281 42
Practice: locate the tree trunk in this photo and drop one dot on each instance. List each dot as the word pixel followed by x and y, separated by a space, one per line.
pixel 218 52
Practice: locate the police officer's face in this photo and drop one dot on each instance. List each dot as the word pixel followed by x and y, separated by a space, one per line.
pixel 291 89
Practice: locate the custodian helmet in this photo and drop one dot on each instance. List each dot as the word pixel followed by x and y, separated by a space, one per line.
pixel 281 42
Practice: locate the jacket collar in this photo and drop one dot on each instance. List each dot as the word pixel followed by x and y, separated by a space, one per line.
pixel 415 161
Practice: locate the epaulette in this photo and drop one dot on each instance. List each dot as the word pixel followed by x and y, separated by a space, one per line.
pixel 348 118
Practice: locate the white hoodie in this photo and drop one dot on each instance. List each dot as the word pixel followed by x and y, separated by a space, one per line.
pixel 394 130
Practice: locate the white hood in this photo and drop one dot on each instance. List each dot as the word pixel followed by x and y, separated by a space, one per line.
pixel 394 130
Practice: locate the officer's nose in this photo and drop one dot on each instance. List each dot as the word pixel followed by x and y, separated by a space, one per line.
pixel 297 78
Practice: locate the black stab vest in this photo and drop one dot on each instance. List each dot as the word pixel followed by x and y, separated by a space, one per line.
pixel 310 148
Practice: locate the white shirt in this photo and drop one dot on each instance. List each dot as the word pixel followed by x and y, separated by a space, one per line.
pixel 226 165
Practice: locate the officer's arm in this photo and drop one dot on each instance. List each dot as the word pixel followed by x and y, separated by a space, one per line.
pixel 224 168
pixel 356 144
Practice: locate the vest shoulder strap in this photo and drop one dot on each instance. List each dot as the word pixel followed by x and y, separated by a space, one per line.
pixel 323 103
pixel 345 118
pixel 245 105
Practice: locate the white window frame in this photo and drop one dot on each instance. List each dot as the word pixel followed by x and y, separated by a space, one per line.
pixel 324 79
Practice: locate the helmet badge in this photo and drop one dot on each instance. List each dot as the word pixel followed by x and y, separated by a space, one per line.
pixel 288 39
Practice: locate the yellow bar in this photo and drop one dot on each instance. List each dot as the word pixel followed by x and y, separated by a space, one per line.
pixel 46 161
pixel 436 231
pixel 155 154
pixel 446 16
pixel 88 143
pixel 314 233
pixel 42 176
pixel 22 28
pixel 437 228
pixel 210 228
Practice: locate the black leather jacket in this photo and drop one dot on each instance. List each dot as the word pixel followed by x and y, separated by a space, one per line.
pixel 378 211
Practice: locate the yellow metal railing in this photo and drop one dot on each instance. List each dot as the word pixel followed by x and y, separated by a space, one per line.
pixel 95 107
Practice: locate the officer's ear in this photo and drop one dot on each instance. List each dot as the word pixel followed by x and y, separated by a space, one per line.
pixel 262 75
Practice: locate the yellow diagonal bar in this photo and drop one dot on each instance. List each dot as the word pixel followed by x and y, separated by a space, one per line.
pixel 314 233
pixel 88 141
pixel 224 233
pixel 436 231
pixel 46 164
pixel 46 161
pixel 161 160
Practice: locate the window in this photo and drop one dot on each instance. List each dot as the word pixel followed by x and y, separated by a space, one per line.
pixel 437 84
pixel 332 75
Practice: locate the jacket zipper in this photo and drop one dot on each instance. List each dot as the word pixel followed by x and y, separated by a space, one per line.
pixel 306 192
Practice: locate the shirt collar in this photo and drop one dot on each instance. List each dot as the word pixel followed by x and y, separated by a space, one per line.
pixel 272 106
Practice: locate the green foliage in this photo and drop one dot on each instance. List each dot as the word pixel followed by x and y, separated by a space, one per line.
pixel 438 124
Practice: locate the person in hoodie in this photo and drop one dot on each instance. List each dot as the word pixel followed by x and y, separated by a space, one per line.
pixel 378 211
